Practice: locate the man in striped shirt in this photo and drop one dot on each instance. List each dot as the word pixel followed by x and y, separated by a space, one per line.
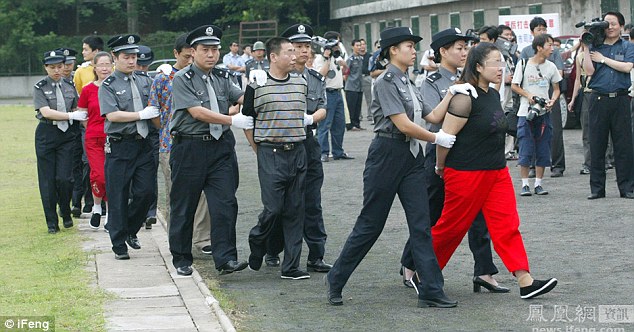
pixel 277 101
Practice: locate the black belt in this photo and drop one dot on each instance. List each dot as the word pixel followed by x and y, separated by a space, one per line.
pixel 118 137
pixel 332 90
pixel 612 94
pixel 400 137
pixel 49 122
pixel 202 137
pixel 281 146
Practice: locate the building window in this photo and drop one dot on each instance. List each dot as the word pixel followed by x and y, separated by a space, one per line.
pixel 356 31
pixel 433 24
pixel 368 35
pixel 478 19
pixel 397 22
pixel 381 26
pixel 535 8
pixel 454 20
pixel 505 11
pixel 609 6
pixel 415 29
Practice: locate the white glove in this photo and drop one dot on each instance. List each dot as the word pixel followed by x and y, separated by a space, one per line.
pixel 242 121
pixel 308 119
pixel 149 112
pixel 79 116
pixel 445 140
pixel 463 89
pixel 165 68
pixel 258 76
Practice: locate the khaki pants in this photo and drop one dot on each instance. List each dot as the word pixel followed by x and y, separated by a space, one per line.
pixel 202 220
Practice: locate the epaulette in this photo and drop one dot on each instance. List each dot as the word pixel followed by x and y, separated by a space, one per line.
pixel 248 63
pixel 388 76
pixel 141 73
pixel 69 81
pixel 220 72
pixel 41 83
pixel 109 80
pixel 189 74
pixel 434 77
pixel 317 74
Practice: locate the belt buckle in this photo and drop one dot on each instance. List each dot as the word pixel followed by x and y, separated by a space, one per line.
pixel 612 94
pixel 207 137
pixel 288 146
pixel 54 123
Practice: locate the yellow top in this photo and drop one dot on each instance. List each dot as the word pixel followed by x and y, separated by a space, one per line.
pixel 83 75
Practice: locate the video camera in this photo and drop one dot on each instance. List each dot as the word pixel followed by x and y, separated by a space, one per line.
pixel 506 46
pixel 595 34
pixel 321 44
pixel 536 110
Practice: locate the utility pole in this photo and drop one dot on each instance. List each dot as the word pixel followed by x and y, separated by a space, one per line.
pixel 133 16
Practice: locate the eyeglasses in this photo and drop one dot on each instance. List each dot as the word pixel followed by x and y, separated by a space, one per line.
pixel 497 64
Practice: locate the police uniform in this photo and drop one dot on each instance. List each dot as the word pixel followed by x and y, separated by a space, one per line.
pixel 200 161
pixel 54 142
pixel 392 169
pixel 129 155
pixel 255 64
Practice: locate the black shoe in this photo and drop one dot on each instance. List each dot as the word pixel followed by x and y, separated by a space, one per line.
pixel 206 250
pixel 629 195
pixel 540 191
pixel 232 266
pixel 296 275
pixel 324 158
pixel 440 302
pixel 255 263
pixel 133 242
pixel 95 220
pixel 334 297
pixel 479 282
pixel 318 266
pixel 184 270
pixel 68 222
pixel 123 256
pixel 76 211
pixel 584 171
pixel 272 260
pixel 149 222
pixel 556 174
pixel 596 195
pixel 87 208
pixel 344 156
pixel 53 230
pixel 539 287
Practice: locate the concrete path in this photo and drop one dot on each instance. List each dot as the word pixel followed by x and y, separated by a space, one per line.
pixel 150 296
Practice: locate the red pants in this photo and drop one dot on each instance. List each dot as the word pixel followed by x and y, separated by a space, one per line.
pixel 466 194
pixel 96 159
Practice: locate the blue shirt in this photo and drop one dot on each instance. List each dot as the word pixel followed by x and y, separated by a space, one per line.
pixel 606 79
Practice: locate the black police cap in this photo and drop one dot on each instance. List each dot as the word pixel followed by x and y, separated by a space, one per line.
pixel 69 53
pixel 52 57
pixel 298 33
pixel 124 44
pixel 205 35
pixel 145 56
pixel 393 36
pixel 448 36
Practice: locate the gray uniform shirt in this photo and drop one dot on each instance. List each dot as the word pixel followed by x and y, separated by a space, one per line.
pixel 189 89
pixel 115 94
pixel 435 88
pixel 44 95
pixel 316 97
pixel 255 64
pixel 354 82
pixel 392 96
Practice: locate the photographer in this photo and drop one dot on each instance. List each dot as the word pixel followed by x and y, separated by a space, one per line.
pixel 532 81
pixel 609 111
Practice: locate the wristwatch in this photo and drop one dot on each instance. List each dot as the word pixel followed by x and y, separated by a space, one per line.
pixel 603 60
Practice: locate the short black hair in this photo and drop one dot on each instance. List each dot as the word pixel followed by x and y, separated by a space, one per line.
pixel 181 43
pixel 556 40
pixel 540 40
pixel 618 15
pixel 94 42
pixel 537 21
pixel 274 45
pixel 490 31
pixel 234 42
pixel 501 28
pixel 354 41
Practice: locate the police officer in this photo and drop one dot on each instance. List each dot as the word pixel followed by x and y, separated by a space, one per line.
pixel 259 61
pixel 144 58
pixel 129 153
pixel 300 36
pixel 395 165
pixel 450 50
pixel 55 100
pixel 203 153
pixel 69 63
pixel 610 108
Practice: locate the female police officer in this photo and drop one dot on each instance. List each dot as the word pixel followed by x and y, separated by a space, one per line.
pixel 55 99
pixel 395 166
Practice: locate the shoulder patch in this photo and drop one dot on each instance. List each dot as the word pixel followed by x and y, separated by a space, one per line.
pixel 220 72
pixel 388 76
pixel 41 83
pixel 434 77
pixel 109 80
pixel 317 74
pixel 189 74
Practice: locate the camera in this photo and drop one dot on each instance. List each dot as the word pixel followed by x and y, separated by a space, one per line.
pixel 595 34
pixel 507 47
pixel 321 44
pixel 536 110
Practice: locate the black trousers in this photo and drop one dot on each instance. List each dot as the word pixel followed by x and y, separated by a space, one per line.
pixel 391 170
pixel 314 229
pixel 611 117
pixel 479 239
pixel 557 151
pixel 154 137
pixel 53 149
pixel 354 100
pixel 79 188
pixel 282 176
pixel 128 169
pixel 212 167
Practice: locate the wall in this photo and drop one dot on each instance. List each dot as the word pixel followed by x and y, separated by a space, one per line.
pixel 18 86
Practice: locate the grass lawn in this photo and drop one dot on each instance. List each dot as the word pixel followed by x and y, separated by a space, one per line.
pixel 41 274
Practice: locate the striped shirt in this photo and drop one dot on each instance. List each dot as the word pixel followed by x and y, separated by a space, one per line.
pixel 278 108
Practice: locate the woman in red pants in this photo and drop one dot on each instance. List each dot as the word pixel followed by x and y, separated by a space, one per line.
pixel 476 176
pixel 95 138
